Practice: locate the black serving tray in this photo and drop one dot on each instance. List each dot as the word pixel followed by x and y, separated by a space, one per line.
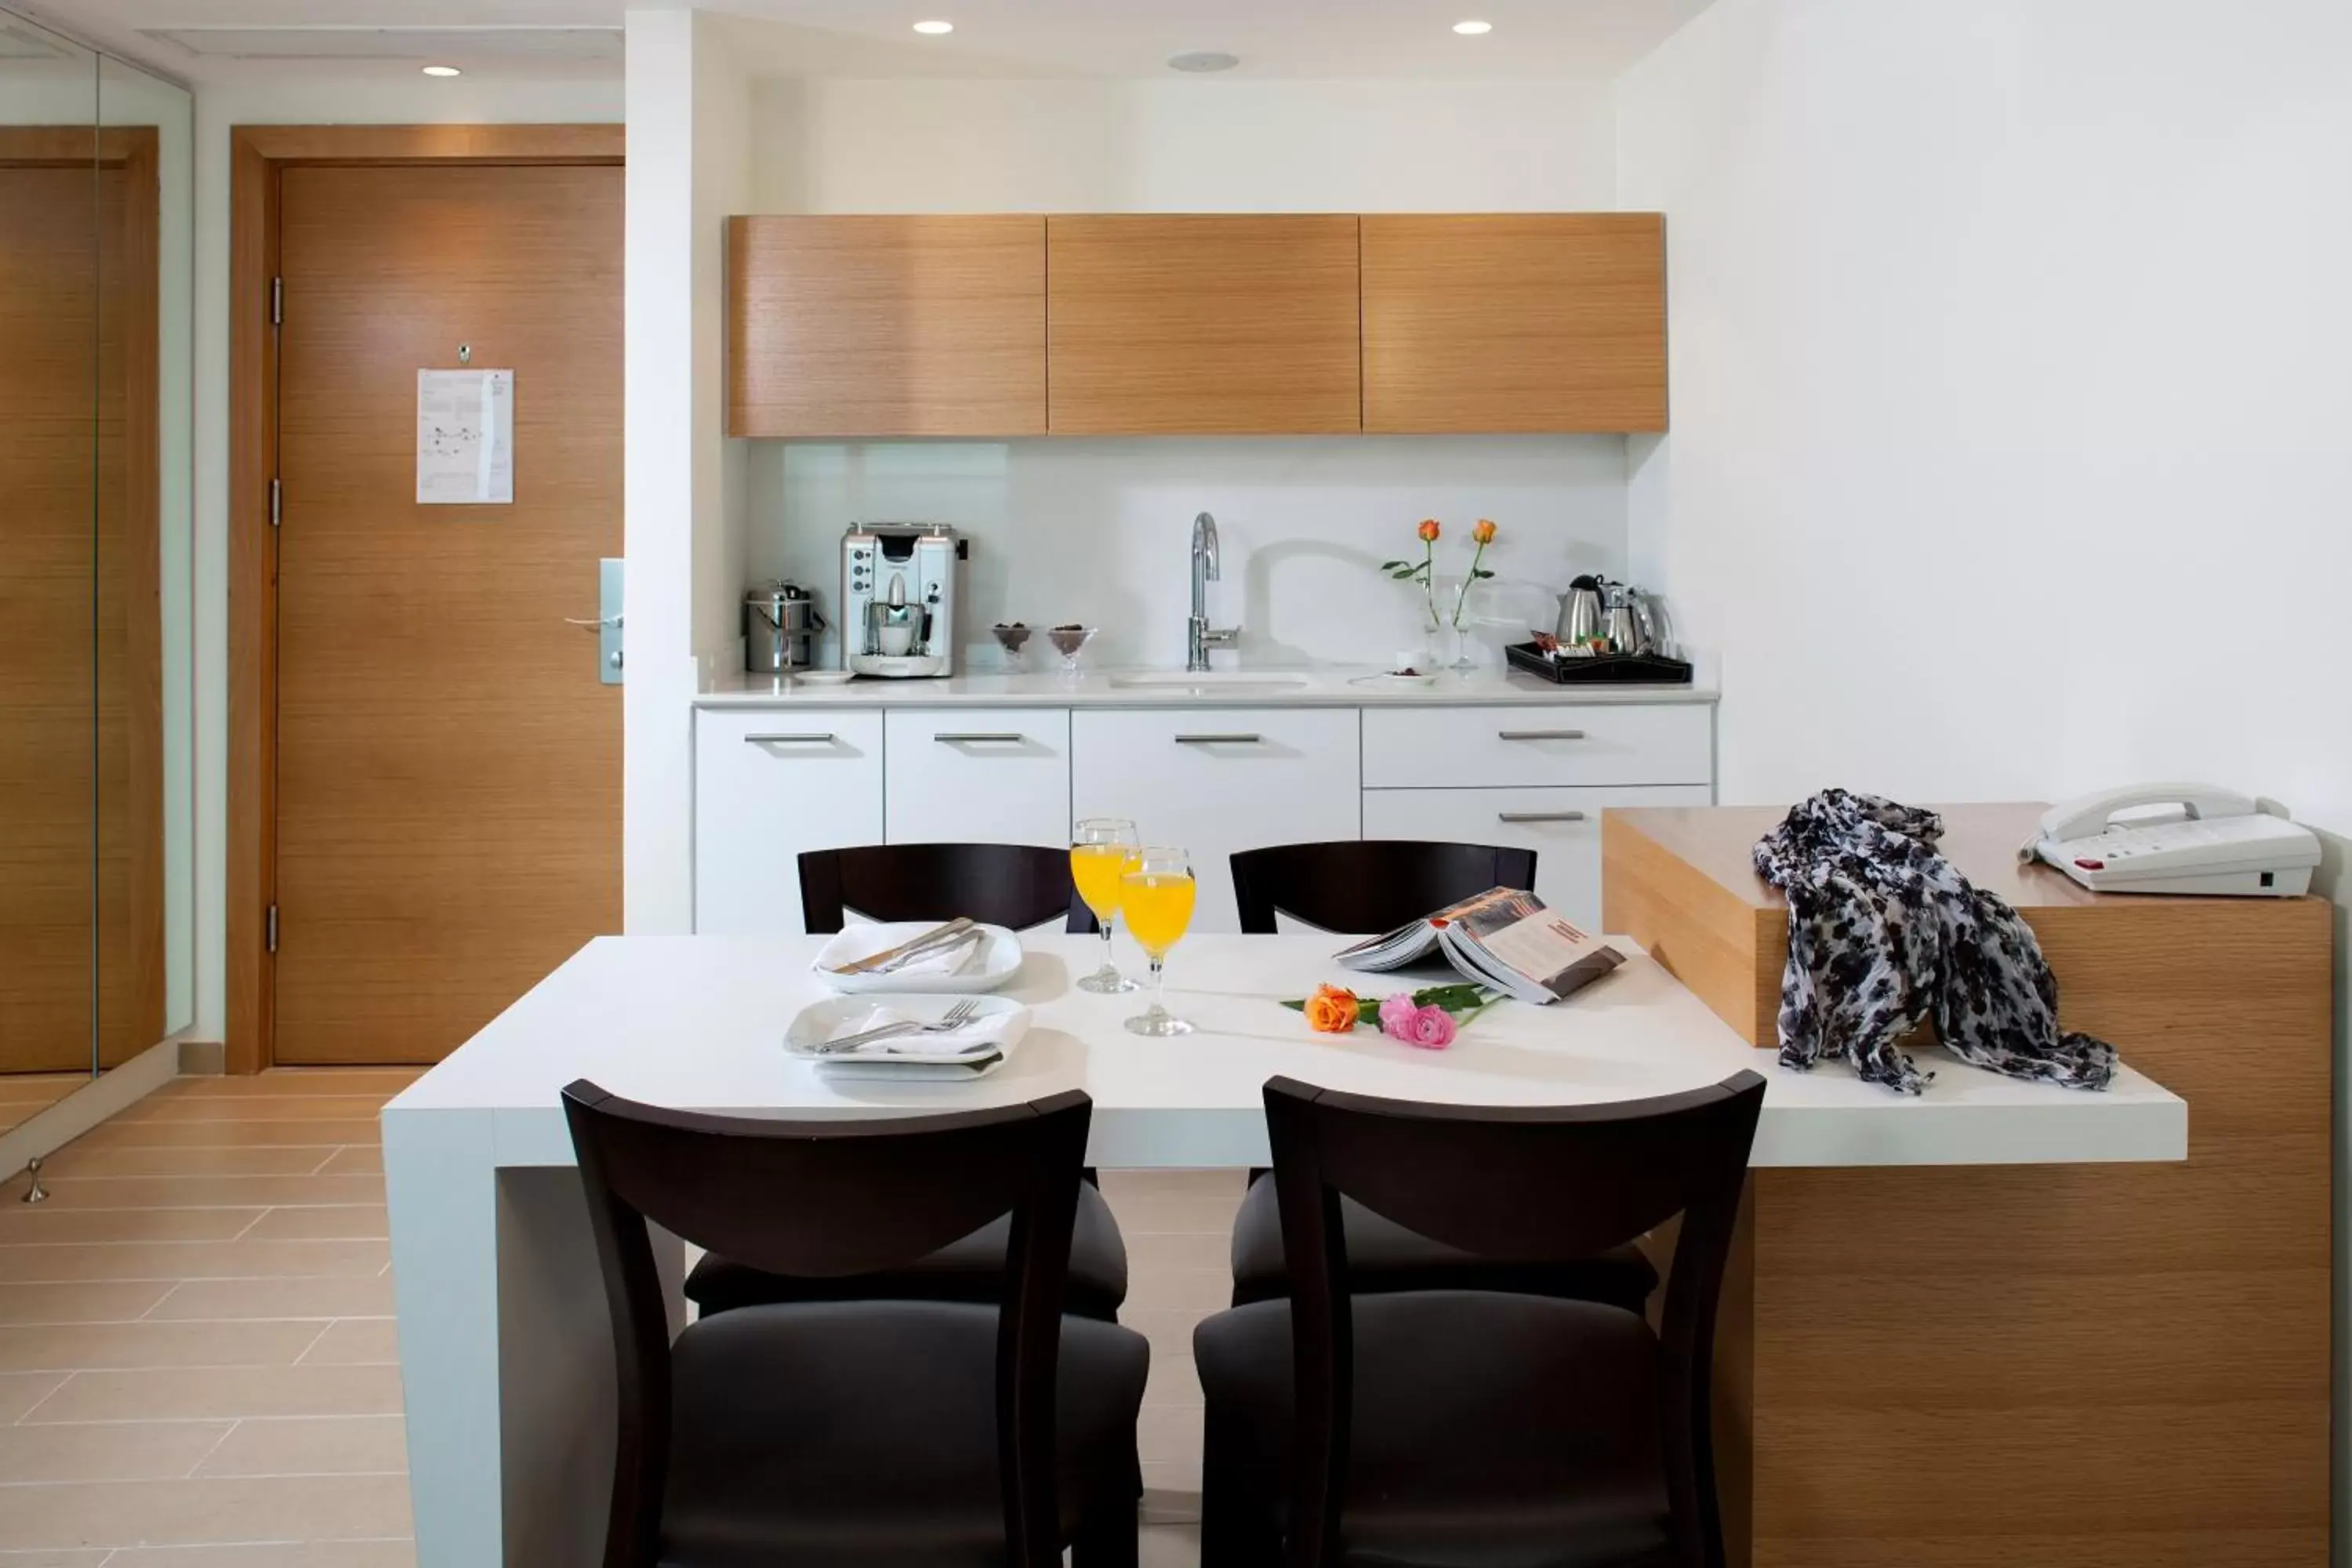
pixel 1600 668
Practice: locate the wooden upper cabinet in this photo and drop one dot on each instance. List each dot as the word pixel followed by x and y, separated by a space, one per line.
pixel 1549 321
pixel 885 326
pixel 1203 325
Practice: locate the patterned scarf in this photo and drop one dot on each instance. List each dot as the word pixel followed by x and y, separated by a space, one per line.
pixel 1885 933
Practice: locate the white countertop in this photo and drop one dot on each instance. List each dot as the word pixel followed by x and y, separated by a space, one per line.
pixel 1336 686
pixel 697 1022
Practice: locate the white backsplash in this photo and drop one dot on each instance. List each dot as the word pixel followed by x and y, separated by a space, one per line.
pixel 1098 531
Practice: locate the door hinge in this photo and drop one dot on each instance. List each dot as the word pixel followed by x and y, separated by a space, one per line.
pixel 270 929
pixel 276 502
pixel 276 301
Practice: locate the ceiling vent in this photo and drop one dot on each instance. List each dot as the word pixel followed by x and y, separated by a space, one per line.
pixel 469 43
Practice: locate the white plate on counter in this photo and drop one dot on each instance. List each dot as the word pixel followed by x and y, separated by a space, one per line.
pixel 989 963
pixel 997 1026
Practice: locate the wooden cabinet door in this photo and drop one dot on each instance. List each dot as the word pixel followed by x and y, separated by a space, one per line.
pixel 767 785
pixel 1203 325
pixel 885 326
pixel 1214 780
pixel 1540 322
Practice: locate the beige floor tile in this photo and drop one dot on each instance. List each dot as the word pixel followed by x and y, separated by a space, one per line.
pixel 356 1342
pixel 1172 1382
pixel 81 1347
pixel 39 1087
pixel 345 1221
pixel 152 1513
pixel 1171 1484
pixel 1168 1435
pixel 381 1081
pixel 20 1391
pixel 245 1299
pixel 1168 1546
pixel 96 1557
pixel 197 1260
pixel 320 1446
pixel 199 1393
pixel 1211 1250
pixel 1170 1329
pixel 275 1554
pixel 118 1134
pixel 103 1302
pixel 80 1158
pixel 1163 1215
pixel 111 1451
pixel 1188 1289
pixel 367 1161
pixel 255 1108
pixel 1203 1185
pixel 188 1191
pixel 22 1226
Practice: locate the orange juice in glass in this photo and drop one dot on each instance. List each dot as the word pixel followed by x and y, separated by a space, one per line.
pixel 1156 894
pixel 1101 850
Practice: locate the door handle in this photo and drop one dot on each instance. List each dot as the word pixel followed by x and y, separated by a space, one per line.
pixel 1515 817
pixel 1219 739
pixel 790 739
pixel 975 739
pixel 1540 734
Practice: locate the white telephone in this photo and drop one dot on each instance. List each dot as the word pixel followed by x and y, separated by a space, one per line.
pixel 2219 842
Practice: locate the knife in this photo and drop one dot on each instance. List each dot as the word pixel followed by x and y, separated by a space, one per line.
pixel 904 950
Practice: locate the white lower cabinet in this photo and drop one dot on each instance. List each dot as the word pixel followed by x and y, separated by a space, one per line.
pixel 767 785
pixel 978 776
pixel 1562 825
pixel 1214 780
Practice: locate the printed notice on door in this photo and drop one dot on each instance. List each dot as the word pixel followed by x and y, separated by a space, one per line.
pixel 465 438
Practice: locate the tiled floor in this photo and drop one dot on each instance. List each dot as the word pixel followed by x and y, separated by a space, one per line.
pixel 25 1095
pixel 198 1365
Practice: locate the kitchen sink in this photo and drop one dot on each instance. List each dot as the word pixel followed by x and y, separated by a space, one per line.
pixel 1207 681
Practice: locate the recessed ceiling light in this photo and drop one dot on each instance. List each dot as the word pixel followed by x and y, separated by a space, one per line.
pixel 443 71
pixel 934 29
pixel 1200 62
pixel 1473 29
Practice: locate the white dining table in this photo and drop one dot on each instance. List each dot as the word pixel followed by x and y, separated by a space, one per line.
pixel 504 1338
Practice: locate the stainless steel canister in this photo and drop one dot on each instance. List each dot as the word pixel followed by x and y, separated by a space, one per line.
pixel 781 621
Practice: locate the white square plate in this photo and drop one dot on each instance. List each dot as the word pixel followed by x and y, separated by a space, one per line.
pixel 997 961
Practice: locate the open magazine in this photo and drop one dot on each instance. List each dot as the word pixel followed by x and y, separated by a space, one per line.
pixel 1503 938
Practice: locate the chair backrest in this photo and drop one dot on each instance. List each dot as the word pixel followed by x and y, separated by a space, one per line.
pixel 1533 1183
pixel 1012 884
pixel 830 1198
pixel 1364 885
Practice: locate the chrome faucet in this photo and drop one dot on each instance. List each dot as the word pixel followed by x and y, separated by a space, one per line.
pixel 1198 636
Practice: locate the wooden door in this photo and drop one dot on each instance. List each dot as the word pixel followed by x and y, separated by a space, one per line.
pixel 448 824
pixel 1202 325
pixel 885 326
pixel 1530 321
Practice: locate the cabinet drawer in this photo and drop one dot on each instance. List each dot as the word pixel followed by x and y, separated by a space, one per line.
pixel 993 775
pixel 1477 748
pixel 1217 780
pixel 767 785
pixel 1562 825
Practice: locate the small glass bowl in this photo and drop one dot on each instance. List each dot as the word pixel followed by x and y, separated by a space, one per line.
pixel 1013 639
pixel 1069 642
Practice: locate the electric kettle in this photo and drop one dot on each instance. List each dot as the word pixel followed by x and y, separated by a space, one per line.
pixel 1580 612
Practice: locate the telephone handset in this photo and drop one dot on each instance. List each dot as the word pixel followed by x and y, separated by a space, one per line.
pixel 2222 843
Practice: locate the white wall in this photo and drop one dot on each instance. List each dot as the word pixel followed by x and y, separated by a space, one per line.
pixel 325 100
pixel 2009 455
pixel 1096 530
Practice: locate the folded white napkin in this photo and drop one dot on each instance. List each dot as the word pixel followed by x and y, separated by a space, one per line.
pixel 946 960
pixel 985 1030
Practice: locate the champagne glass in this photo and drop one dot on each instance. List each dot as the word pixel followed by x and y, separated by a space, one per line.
pixel 1156 892
pixel 1101 850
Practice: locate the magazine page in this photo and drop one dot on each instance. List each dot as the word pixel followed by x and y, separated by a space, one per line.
pixel 1514 941
pixel 1392 949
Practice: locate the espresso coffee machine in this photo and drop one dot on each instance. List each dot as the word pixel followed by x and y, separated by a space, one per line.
pixel 899 585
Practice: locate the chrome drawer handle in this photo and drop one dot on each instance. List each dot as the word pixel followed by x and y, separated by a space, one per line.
pixel 1539 816
pixel 1219 739
pixel 1540 734
pixel 975 739
pixel 790 739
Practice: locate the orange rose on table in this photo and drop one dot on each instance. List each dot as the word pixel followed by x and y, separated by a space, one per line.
pixel 1332 1010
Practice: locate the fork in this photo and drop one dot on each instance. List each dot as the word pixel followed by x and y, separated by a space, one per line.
pixel 954 1018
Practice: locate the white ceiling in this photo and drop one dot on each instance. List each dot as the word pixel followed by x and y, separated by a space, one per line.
pixel 1295 39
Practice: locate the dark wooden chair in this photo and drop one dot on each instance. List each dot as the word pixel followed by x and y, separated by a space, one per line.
pixel 1377 885
pixel 897 1432
pixel 1362 886
pixel 1015 885
pixel 1466 1427
pixel 1012 884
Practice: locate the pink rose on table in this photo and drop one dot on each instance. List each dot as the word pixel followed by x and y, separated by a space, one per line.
pixel 1432 1028
pixel 1397 1015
